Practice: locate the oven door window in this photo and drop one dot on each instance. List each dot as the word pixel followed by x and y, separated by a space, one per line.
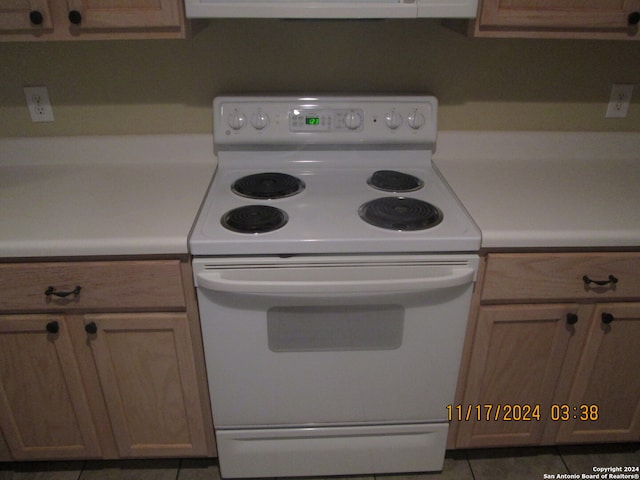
pixel 335 328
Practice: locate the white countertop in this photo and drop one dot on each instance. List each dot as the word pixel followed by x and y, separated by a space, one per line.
pixel 546 190
pixel 139 195
pixel 76 196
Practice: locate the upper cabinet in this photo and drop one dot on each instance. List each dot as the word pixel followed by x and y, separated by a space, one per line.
pixel 24 16
pixel 606 19
pixel 91 20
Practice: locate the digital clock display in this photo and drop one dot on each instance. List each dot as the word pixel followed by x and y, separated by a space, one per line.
pixel 312 121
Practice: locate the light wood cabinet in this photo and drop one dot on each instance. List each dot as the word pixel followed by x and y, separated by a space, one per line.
pixel 25 16
pixel 518 353
pixel 147 373
pixel 606 377
pixel 611 19
pixel 44 410
pixel 551 356
pixel 114 286
pixel 23 20
pixel 111 369
pixel 5 455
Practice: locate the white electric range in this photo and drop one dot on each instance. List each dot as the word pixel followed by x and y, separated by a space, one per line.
pixel 334 269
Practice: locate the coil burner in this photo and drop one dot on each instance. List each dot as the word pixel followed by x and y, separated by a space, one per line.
pixel 393 181
pixel 400 214
pixel 254 219
pixel 269 185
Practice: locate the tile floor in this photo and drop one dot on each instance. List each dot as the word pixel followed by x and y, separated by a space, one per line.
pixel 487 464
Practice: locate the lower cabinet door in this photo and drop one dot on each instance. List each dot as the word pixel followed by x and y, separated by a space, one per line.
pixel 603 404
pixel 147 374
pixel 44 413
pixel 517 358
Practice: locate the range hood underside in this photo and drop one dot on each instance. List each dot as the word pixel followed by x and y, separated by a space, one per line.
pixel 327 9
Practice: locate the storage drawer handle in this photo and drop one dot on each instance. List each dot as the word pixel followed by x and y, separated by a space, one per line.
pixel 633 18
pixel 612 280
pixel 51 291
pixel 572 318
pixel 91 328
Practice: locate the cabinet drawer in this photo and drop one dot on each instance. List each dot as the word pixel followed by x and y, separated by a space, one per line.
pixel 113 286
pixel 512 278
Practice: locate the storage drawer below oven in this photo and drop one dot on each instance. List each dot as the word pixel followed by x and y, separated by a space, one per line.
pixel 285 452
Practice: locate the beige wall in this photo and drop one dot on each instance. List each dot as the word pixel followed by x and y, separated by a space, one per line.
pixel 124 87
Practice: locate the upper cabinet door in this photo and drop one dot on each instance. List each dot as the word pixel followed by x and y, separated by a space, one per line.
pixel 124 14
pixel 25 16
pixel 560 15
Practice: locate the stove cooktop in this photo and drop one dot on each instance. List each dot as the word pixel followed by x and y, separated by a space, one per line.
pixel 324 216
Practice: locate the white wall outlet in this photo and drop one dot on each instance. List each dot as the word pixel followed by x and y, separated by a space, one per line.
pixel 38 104
pixel 619 100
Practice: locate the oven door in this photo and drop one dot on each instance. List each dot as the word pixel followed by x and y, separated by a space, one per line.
pixel 333 341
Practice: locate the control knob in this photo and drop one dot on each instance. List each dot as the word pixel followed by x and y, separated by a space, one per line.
pixel 415 120
pixel 352 120
pixel 259 120
pixel 393 119
pixel 236 120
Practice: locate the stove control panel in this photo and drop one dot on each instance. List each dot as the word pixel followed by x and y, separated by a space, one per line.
pixel 313 120
pixel 284 120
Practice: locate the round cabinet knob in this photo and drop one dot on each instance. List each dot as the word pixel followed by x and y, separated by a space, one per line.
pixel 53 327
pixel 237 120
pixel 634 18
pixel 607 318
pixel 572 318
pixel 415 120
pixel 36 18
pixel 259 120
pixel 393 119
pixel 91 328
pixel 75 17
pixel 352 120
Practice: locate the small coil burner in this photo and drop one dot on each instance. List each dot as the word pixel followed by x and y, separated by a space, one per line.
pixel 400 214
pixel 393 181
pixel 254 219
pixel 269 185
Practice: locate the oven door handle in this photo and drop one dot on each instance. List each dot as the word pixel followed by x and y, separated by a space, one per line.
pixel 242 282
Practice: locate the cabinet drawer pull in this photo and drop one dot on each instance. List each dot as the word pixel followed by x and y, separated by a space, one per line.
pixel 633 18
pixel 612 280
pixel 75 17
pixel 53 327
pixel 91 328
pixel 572 318
pixel 607 318
pixel 35 17
pixel 51 291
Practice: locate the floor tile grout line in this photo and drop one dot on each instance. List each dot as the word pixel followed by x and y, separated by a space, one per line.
pixel 563 460
pixel 466 456
pixel 180 460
